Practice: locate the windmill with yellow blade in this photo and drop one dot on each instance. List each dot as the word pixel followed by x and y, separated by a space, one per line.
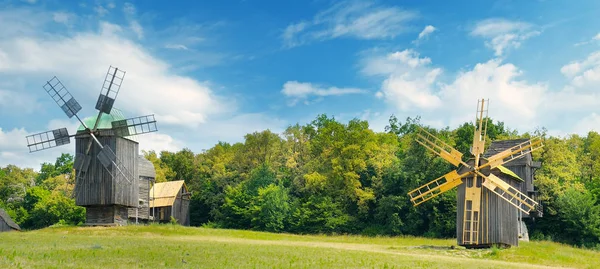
pixel 487 202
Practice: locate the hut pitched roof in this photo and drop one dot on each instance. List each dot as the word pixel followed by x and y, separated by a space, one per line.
pixel 146 168
pixel 6 218
pixel 165 193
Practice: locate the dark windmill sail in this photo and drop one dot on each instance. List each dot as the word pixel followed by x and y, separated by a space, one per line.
pixel 105 155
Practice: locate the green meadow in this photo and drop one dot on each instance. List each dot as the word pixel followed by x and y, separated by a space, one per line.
pixel 184 247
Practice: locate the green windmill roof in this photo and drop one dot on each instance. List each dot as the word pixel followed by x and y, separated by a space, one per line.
pixel 105 120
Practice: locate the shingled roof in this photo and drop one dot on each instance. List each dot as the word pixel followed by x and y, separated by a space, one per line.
pixel 502 145
pixel 6 218
pixel 165 193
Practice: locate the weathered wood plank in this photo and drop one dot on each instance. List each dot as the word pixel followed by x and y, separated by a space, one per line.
pixel 97 186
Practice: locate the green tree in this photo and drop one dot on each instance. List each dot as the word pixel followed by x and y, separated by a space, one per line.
pixel 181 163
pixel 271 209
pixel 163 172
pixel 579 216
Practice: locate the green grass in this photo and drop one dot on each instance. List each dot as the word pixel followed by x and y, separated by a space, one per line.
pixel 180 247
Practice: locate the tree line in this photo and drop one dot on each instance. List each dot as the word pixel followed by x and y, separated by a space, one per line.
pixel 334 178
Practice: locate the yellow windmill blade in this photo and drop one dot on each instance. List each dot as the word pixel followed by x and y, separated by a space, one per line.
pixel 514 153
pixel 440 148
pixel 436 187
pixel 508 193
pixel 480 129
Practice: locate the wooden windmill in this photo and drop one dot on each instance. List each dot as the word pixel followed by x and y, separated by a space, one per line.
pixel 487 205
pixel 105 155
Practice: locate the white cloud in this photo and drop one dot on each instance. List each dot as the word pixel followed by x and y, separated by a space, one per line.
pixel 584 74
pixel 503 34
pixel 429 29
pixel 412 86
pixel 175 99
pixel 100 10
pixel 302 90
pixel 587 124
pixel 290 32
pixel 137 29
pixel 129 9
pixel 407 90
pixel 515 101
pixel 62 17
pixel 13 150
pixel 409 79
pixel 130 14
pixel 594 39
pixel 158 142
pixel 362 20
pixel 13 139
pixel 11 101
pixel 176 47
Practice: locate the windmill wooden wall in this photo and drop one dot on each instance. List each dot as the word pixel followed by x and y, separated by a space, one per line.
pixel 498 219
pixel 106 198
pixel 147 175
pixel 524 167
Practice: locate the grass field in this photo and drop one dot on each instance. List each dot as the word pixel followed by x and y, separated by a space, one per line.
pixel 181 247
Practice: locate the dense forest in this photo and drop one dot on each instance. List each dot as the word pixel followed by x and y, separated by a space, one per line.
pixel 333 177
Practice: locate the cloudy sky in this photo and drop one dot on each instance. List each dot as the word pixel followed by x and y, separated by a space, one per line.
pixel 215 70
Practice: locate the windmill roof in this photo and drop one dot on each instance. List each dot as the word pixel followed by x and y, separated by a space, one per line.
pixel 165 193
pixel 105 120
pixel 502 145
pixel 6 218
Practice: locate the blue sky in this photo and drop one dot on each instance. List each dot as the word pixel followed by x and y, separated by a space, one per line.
pixel 216 70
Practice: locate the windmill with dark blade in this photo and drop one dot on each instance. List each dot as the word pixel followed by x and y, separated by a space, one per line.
pixel 105 153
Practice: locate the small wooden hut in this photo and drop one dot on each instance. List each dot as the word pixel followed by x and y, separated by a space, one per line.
pixel 147 175
pixel 170 199
pixel 6 223
pixel 499 223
